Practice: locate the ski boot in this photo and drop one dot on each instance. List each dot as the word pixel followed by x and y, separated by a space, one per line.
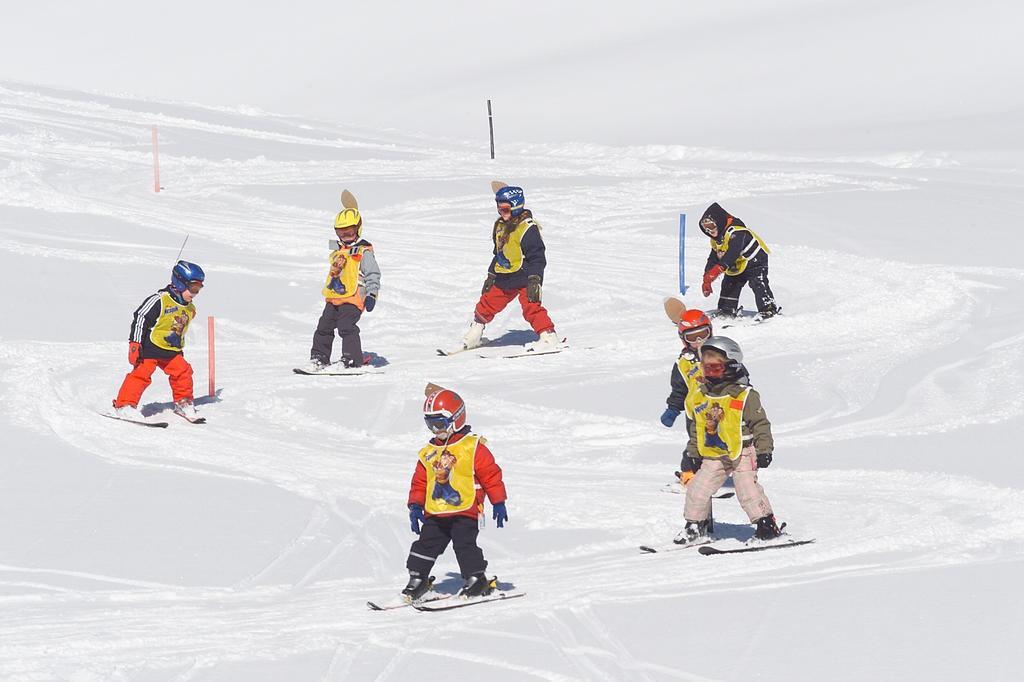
pixel 478 586
pixel 187 409
pixel 316 365
pixel 418 586
pixel 767 529
pixel 129 412
pixel 473 337
pixel 692 532
pixel 767 313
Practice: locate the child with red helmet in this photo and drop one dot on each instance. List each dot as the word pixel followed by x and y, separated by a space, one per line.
pixel 694 327
pixel 454 472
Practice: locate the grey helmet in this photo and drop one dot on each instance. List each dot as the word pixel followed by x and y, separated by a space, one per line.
pixel 726 346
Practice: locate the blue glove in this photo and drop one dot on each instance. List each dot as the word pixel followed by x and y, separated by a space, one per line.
pixel 668 417
pixel 499 514
pixel 415 517
pixel 369 303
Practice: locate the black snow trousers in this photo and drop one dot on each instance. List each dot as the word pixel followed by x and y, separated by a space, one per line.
pixel 757 278
pixel 436 533
pixel 342 318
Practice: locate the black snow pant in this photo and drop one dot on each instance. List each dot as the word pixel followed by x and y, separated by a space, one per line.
pixel 342 318
pixel 436 533
pixel 757 278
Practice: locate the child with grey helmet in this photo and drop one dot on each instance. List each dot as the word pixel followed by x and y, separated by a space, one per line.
pixel 731 435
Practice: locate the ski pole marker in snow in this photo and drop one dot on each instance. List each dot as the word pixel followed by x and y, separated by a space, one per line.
pixel 156 164
pixel 682 253
pixel 490 124
pixel 212 355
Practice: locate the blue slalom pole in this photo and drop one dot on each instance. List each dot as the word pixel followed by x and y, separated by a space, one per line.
pixel 682 253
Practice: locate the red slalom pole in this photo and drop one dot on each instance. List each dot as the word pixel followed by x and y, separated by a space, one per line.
pixel 211 355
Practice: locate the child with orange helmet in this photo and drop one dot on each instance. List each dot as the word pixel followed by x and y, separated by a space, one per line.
pixel 453 473
pixel 694 327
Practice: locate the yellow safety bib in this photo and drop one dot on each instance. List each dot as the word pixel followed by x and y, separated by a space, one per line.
pixel 741 262
pixel 344 283
pixel 719 422
pixel 451 475
pixel 690 370
pixel 169 331
pixel 509 245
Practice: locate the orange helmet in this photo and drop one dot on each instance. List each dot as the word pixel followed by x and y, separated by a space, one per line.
pixel 694 328
pixel 444 412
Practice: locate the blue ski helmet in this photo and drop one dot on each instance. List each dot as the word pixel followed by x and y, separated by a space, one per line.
pixel 513 196
pixel 184 272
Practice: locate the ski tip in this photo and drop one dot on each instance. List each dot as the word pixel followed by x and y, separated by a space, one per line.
pixel 497 185
pixel 648 550
pixel 674 309
pixel 348 200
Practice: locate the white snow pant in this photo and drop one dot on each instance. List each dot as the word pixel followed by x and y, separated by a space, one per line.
pixel 710 477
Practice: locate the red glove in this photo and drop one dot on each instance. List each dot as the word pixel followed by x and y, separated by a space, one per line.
pixel 134 350
pixel 710 276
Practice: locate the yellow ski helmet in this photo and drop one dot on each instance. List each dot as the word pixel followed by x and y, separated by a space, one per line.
pixel 349 217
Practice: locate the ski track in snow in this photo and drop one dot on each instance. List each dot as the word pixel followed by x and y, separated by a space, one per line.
pixel 71 160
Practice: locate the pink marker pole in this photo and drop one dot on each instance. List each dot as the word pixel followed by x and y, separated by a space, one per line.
pixel 211 356
pixel 156 163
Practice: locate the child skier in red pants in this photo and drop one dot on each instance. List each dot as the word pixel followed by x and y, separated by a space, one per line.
pixel 157 339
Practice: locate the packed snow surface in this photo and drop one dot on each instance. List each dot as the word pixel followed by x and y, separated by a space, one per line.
pixel 246 548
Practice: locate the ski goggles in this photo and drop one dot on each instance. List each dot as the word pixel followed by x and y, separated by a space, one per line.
pixel 713 370
pixel 695 335
pixel 194 286
pixel 438 423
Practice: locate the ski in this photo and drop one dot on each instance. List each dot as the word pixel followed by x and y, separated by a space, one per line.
pixel 530 352
pixel 401 602
pixel 678 489
pixel 673 547
pixel 152 425
pixel 445 353
pixel 336 373
pixel 744 320
pixel 192 420
pixel 709 551
pixel 458 602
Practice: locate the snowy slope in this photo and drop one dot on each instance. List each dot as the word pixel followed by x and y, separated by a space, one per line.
pixel 246 548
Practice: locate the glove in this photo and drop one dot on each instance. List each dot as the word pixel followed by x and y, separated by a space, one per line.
pixel 369 303
pixel 533 289
pixel 488 283
pixel 710 276
pixel 415 517
pixel 134 350
pixel 691 464
pixel 499 514
pixel 764 460
pixel 668 417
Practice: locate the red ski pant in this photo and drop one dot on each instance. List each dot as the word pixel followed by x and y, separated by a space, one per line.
pixel 138 380
pixel 494 300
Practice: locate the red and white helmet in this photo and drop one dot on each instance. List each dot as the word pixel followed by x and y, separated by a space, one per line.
pixel 694 328
pixel 444 412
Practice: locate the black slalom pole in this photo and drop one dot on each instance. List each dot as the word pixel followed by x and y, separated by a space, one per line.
pixel 490 124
